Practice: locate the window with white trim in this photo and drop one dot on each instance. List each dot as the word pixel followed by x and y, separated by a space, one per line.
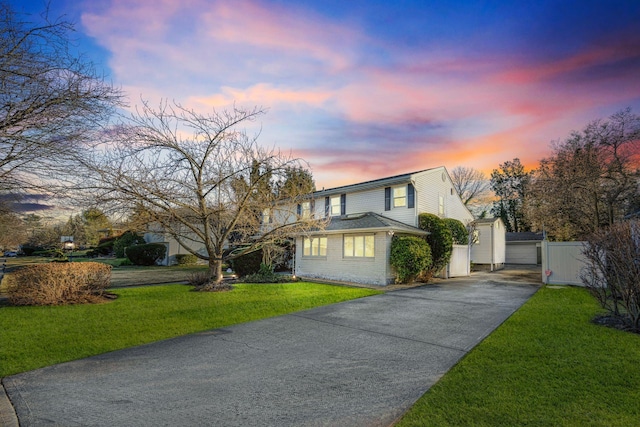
pixel 314 246
pixel 335 209
pixel 305 210
pixel 399 196
pixel 441 205
pixel 359 246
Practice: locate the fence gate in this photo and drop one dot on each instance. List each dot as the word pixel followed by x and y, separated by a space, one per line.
pixel 460 263
pixel 562 262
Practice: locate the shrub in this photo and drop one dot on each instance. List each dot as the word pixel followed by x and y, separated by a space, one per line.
pixel 28 249
pixel 58 283
pixel 266 275
pixel 440 240
pixel 186 259
pixel 105 246
pixel 128 238
pixel 612 271
pixel 147 254
pixel 410 256
pixel 247 264
pixel 458 231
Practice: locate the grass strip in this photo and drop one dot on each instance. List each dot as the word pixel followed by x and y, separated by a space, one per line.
pixel 34 337
pixel 547 365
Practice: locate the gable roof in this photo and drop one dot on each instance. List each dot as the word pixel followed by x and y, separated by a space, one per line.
pixel 367 185
pixel 367 222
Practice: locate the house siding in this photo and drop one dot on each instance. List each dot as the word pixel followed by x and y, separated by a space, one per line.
pixel 429 186
pixel 336 267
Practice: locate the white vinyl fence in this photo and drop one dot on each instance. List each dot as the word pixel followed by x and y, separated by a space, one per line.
pixel 460 264
pixel 562 262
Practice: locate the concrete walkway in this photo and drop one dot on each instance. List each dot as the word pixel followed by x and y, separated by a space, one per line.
pixel 357 363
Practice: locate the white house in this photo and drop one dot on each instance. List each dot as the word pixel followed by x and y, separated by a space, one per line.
pixel 489 243
pixel 355 244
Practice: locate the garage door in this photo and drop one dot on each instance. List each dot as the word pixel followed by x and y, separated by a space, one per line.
pixel 521 253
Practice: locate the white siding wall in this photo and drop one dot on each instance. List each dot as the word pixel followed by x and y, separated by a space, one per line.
pixel 481 251
pixel 336 267
pixel 372 201
pixel 429 186
pixel 500 242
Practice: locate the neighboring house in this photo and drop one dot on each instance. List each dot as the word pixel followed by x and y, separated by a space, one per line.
pixel 524 248
pixel 355 244
pixel 489 243
pixel 157 235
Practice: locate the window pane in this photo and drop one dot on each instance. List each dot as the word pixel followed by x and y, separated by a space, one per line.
pixel 348 246
pixel 399 191
pixel 335 205
pixel 315 245
pixel 369 249
pixel 306 251
pixel 306 210
pixel 323 246
pixel 399 196
pixel 358 246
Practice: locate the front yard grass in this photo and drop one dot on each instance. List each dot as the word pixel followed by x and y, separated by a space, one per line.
pixel 34 337
pixel 548 365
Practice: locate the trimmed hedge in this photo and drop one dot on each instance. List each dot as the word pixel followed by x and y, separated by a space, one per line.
pixel 126 239
pixel 440 240
pixel 410 256
pixel 58 283
pixel 247 264
pixel 186 259
pixel 458 231
pixel 147 254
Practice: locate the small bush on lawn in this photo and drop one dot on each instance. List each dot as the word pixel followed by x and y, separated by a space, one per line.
pixel 147 254
pixel 28 250
pixel 266 275
pixel 410 256
pixel 458 231
pixel 440 240
pixel 612 271
pixel 105 246
pixel 247 263
pixel 58 283
pixel 128 238
pixel 186 259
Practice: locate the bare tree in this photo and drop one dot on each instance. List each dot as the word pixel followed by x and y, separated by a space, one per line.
pixel 590 181
pixel 50 99
pixel 473 187
pixel 202 180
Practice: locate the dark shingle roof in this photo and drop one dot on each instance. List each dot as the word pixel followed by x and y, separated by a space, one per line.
pixel 376 183
pixel 523 236
pixel 368 221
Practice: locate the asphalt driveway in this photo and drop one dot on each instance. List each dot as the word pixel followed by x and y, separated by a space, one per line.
pixel 357 363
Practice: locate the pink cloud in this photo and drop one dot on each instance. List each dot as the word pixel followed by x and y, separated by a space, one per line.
pixel 261 94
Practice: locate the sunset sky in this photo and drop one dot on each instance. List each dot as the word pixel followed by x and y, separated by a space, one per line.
pixel 367 89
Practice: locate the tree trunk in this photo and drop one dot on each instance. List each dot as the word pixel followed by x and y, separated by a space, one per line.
pixel 215 269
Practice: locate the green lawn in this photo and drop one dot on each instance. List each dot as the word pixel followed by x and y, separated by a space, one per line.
pixel 33 337
pixel 548 365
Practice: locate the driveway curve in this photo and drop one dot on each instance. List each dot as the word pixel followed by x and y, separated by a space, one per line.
pixel 359 363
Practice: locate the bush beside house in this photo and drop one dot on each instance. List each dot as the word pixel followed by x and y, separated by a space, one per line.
pixel 409 256
pixel 440 240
